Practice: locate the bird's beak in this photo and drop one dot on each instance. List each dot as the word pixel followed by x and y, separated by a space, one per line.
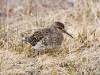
pixel 67 33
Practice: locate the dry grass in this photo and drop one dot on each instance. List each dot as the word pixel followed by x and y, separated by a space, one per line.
pixel 78 56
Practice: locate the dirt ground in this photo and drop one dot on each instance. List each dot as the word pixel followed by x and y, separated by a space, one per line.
pixel 78 56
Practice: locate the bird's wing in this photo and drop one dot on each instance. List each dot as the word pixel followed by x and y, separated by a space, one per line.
pixel 38 35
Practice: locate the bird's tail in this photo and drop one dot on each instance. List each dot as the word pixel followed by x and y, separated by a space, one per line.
pixel 26 39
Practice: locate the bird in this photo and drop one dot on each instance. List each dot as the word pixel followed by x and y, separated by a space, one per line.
pixel 48 38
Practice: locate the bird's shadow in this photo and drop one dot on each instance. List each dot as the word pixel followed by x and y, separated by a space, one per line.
pixel 52 52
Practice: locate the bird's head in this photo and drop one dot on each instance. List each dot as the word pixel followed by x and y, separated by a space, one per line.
pixel 59 27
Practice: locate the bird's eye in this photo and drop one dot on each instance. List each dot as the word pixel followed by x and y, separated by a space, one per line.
pixel 59 27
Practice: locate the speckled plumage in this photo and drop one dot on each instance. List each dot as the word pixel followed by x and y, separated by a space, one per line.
pixel 47 38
